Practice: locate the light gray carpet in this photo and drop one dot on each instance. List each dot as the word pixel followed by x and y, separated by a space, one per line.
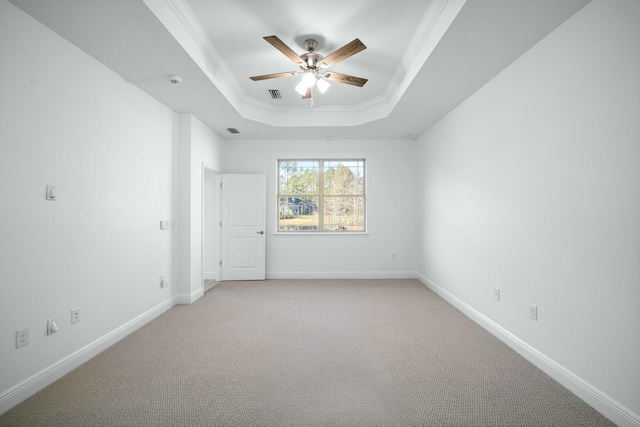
pixel 209 284
pixel 308 353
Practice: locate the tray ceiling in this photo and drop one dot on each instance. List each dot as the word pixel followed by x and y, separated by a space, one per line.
pixel 422 59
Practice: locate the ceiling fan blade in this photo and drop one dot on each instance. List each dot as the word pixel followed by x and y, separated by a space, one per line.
pixel 344 78
pixel 309 93
pixel 344 52
pixel 273 76
pixel 279 44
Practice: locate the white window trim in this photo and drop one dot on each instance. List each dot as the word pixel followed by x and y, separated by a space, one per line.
pixel 321 186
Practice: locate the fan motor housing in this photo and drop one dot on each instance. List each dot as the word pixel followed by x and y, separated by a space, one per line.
pixel 312 59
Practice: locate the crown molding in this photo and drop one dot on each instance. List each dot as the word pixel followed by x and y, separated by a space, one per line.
pixel 179 20
pixel 339 115
pixel 434 24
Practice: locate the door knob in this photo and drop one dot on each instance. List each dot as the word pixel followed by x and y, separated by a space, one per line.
pixel 261 232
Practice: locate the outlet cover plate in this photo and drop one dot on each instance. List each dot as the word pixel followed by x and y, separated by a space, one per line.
pixel 22 337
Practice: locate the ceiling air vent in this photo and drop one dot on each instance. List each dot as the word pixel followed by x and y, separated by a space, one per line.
pixel 233 130
pixel 274 93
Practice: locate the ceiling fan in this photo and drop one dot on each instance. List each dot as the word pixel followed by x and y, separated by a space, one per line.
pixel 313 65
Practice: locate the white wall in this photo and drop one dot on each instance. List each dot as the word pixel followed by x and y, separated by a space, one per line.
pixel 532 185
pixel 199 147
pixel 390 210
pixel 67 120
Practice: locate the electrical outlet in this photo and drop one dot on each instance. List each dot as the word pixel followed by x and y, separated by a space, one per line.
pixel 75 315
pixel 22 337
pixel 496 294
pixel 163 283
pixel 533 312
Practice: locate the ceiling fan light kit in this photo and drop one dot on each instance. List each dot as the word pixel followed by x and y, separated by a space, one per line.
pixel 309 80
pixel 301 87
pixel 323 85
pixel 312 66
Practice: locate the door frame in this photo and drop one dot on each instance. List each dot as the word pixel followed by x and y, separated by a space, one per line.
pixel 217 217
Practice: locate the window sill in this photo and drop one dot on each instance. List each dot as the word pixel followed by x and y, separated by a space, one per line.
pixel 321 233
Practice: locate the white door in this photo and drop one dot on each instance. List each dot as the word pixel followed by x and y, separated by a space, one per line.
pixel 243 227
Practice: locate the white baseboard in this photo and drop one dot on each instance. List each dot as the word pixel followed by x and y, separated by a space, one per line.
pixel 603 403
pixel 209 275
pixel 341 275
pixel 189 298
pixel 37 382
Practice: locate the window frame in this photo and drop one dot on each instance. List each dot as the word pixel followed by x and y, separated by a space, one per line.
pixel 321 196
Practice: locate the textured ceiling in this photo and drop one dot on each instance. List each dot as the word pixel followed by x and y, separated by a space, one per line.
pixel 422 59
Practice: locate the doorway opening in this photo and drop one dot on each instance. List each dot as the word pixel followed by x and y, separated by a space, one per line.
pixel 211 217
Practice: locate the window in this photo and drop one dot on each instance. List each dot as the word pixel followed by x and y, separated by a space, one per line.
pixel 321 195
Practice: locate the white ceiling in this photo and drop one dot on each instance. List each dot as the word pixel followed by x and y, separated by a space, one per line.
pixel 423 57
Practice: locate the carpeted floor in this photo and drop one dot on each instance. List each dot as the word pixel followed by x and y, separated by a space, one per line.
pixel 209 284
pixel 308 353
